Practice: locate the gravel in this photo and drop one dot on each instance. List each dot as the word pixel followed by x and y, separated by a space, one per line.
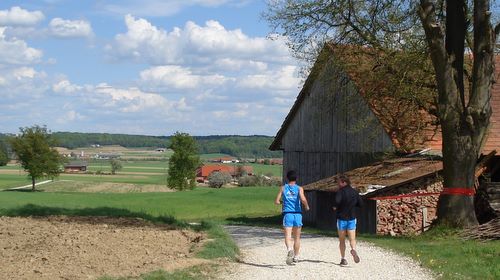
pixel 263 257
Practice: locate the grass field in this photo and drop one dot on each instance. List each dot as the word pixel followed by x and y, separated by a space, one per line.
pixel 262 169
pixel 199 204
pixel 13 180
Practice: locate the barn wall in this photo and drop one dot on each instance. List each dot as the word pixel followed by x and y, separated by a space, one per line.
pixel 333 130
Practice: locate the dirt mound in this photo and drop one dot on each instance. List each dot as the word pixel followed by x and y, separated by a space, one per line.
pixel 101 187
pixel 90 247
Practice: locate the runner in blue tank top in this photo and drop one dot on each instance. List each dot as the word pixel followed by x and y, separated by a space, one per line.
pixel 292 197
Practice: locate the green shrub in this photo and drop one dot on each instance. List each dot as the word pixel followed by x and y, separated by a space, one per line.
pixel 258 180
pixel 218 179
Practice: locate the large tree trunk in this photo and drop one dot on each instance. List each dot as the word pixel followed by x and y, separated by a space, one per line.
pixel 464 121
pixel 32 184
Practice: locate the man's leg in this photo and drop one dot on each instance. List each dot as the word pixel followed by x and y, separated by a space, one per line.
pixel 342 234
pixel 351 234
pixel 289 246
pixel 288 238
pixel 352 241
pixel 296 240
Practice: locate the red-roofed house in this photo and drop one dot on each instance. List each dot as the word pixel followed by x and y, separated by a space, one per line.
pixel 203 172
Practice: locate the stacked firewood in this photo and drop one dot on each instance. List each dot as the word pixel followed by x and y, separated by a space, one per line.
pixel 487 231
pixel 404 216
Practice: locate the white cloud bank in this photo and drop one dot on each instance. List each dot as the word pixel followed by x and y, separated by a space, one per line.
pixel 17 52
pixel 17 16
pixel 144 42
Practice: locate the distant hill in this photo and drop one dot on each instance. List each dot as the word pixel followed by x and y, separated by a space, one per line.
pixel 238 146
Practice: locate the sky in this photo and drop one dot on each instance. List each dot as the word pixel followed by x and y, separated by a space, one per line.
pixel 150 67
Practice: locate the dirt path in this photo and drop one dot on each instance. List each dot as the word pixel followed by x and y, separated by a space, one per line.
pixel 30 186
pixel 263 257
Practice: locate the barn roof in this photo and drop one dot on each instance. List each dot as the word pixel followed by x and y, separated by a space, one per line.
pixel 76 164
pixel 382 175
pixel 428 132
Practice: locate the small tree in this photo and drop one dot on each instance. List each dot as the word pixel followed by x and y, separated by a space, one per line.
pixel 4 158
pixel 34 148
pixel 241 171
pixel 183 163
pixel 115 166
pixel 218 179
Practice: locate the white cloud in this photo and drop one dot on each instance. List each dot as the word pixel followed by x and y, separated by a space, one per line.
pixel 177 77
pixel 64 28
pixel 145 42
pixel 66 86
pixel 15 51
pixel 285 79
pixel 17 16
pixel 131 99
pixel 70 116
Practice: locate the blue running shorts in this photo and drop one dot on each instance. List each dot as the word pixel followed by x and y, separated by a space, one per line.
pixel 346 225
pixel 292 220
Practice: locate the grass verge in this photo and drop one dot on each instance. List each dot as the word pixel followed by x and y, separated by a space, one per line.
pixel 221 244
pixel 446 254
pixel 193 273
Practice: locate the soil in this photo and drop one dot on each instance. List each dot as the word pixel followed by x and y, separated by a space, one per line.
pixel 59 247
pixel 102 187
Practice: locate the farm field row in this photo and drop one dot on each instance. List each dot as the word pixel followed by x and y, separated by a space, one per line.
pixel 195 205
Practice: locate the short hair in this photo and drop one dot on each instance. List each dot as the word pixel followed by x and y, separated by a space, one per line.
pixel 344 178
pixel 291 175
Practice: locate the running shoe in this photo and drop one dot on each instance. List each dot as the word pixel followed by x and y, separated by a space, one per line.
pixel 289 257
pixel 355 256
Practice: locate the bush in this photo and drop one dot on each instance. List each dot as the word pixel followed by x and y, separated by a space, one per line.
pixel 4 159
pixel 218 179
pixel 258 180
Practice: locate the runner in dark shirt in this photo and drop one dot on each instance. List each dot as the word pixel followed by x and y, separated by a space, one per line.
pixel 346 201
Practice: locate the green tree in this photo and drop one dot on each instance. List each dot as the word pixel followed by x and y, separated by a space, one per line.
pixel 115 166
pixel 438 28
pixel 218 179
pixel 34 149
pixel 183 162
pixel 4 158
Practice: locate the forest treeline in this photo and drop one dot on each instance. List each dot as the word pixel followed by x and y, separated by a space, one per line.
pixel 238 146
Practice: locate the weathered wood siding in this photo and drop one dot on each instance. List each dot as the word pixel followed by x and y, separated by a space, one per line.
pixel 333 131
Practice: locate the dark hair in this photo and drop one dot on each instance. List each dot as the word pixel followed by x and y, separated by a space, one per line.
pixel 291 175
pixel 344 178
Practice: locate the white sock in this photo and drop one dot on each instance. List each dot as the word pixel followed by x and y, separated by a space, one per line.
pixel 289 249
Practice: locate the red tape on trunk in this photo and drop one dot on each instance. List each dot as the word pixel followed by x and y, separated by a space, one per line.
pixel 459 191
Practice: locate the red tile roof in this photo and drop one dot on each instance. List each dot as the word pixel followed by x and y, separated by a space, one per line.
pixel 206 170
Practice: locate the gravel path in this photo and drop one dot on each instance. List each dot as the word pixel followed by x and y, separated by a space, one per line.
pixel 263 257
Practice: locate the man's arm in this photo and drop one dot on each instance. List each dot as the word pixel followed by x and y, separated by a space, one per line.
pixel 277 201
pixel 303 198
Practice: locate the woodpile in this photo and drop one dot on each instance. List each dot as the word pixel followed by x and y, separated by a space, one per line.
pixel 487 231
pixel 405 216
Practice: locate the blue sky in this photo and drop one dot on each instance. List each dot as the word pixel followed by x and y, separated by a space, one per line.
pixel 143 67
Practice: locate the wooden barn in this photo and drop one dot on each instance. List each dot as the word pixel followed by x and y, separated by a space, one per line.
pixel 335 126
pixel 75 166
